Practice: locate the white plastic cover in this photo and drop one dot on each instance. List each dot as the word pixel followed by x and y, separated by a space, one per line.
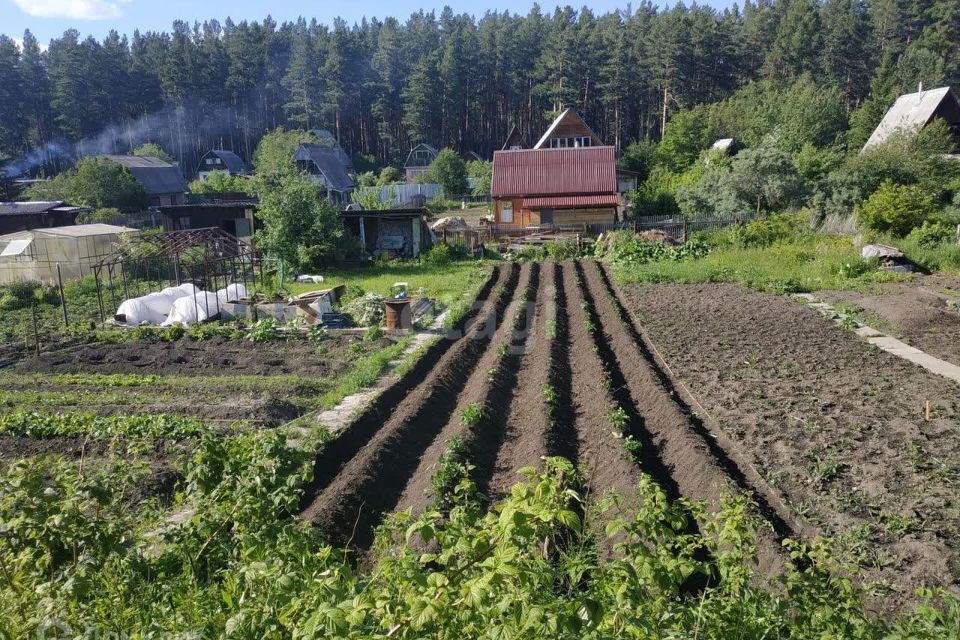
pixel 191 309
pixel 154 307
pixel 232 292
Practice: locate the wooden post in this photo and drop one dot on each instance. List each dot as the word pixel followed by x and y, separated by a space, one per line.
pixel 36 332
pixel 63 298
pixel 686 230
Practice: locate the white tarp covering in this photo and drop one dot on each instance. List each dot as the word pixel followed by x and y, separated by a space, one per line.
pixel 184 304
pixel 191 309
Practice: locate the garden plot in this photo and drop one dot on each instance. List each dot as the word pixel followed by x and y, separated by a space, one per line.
pixel 549 365
pixel 219 379
pixel 838 428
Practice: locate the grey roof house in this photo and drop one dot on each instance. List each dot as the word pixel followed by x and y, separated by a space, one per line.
pixel 330 140
pixel 162 181
pixel 325 167
pixel 222 160
pixel 913 111
pixel 419 160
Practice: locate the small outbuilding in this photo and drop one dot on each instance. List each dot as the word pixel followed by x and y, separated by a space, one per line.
pixel 21 216
pixel 33 255
pixel 162 181
pixel 224 161
pixel 400 233
pixel 419 160
pixel 235 216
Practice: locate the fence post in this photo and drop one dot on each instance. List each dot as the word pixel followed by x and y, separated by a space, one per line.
pixel 686 230
pixel 63 298
pixel 36 332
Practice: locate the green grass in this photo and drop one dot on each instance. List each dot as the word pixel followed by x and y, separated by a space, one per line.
pixel 364 373
pixel 809 264
pixel 448 283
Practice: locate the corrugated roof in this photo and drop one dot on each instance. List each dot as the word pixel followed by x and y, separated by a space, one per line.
pixel 910 111
pixel 554 172
pixel 27 208
pixel 73 231
pixel 156 176
pixel 329 164
pixel 562 202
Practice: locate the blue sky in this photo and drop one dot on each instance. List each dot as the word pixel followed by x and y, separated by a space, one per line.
pixel 50 18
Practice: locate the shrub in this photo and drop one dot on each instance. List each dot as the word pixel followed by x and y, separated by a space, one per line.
pixel 932 233
pixel 366 310
pixel 768 231
pixel 896 209
pixel 438 256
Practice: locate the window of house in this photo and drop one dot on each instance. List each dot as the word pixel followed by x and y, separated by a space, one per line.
pixel 506 212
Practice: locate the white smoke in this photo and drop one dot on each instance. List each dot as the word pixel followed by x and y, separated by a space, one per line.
pixel 179 129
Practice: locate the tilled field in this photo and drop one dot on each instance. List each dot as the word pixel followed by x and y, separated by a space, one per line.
pixel 220 380
pixel 550 365
pixel 839 428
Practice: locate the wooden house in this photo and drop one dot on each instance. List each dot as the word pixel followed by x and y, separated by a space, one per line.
pixel 419 160
pixel 568 178
pixel 224 161
pixel 162 181
pixel 514 141
pixel 913 111
pixel 561 186
pixel 568 131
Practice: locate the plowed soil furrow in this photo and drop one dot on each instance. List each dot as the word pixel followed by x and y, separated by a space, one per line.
pixel 527 428
pixel 352 439
pixel 562 434
pixel 482 440
pixel 370 481
pixel 679 452
pixel 601 454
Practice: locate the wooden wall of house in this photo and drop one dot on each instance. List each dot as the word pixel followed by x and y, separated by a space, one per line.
pixel 585 216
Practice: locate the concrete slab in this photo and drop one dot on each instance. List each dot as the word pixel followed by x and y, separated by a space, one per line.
pixel 889 343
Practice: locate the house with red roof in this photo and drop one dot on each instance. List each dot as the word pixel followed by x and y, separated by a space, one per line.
pixel 568 178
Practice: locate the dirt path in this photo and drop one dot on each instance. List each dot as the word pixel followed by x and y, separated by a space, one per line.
pixel 679 451
pixel 526 436
pixel 362 473
pixel 601 455
pixel 490 387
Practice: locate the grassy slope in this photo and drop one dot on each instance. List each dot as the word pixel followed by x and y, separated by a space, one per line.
pixel 806 262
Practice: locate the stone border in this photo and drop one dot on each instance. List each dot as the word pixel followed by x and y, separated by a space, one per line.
pixel 887 343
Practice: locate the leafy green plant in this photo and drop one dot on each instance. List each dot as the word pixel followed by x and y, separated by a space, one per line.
pixel 264 330
pixel 472 414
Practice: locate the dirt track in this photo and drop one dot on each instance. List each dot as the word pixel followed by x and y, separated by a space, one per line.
pixel 547 325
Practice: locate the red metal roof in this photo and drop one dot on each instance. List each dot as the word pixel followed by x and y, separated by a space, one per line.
pixel 554 172
pixel 559 202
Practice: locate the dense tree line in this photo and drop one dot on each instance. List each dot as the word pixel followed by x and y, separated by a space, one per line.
pixel 455 80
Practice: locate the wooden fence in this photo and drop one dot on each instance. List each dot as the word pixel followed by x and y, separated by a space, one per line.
pixel 678 229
